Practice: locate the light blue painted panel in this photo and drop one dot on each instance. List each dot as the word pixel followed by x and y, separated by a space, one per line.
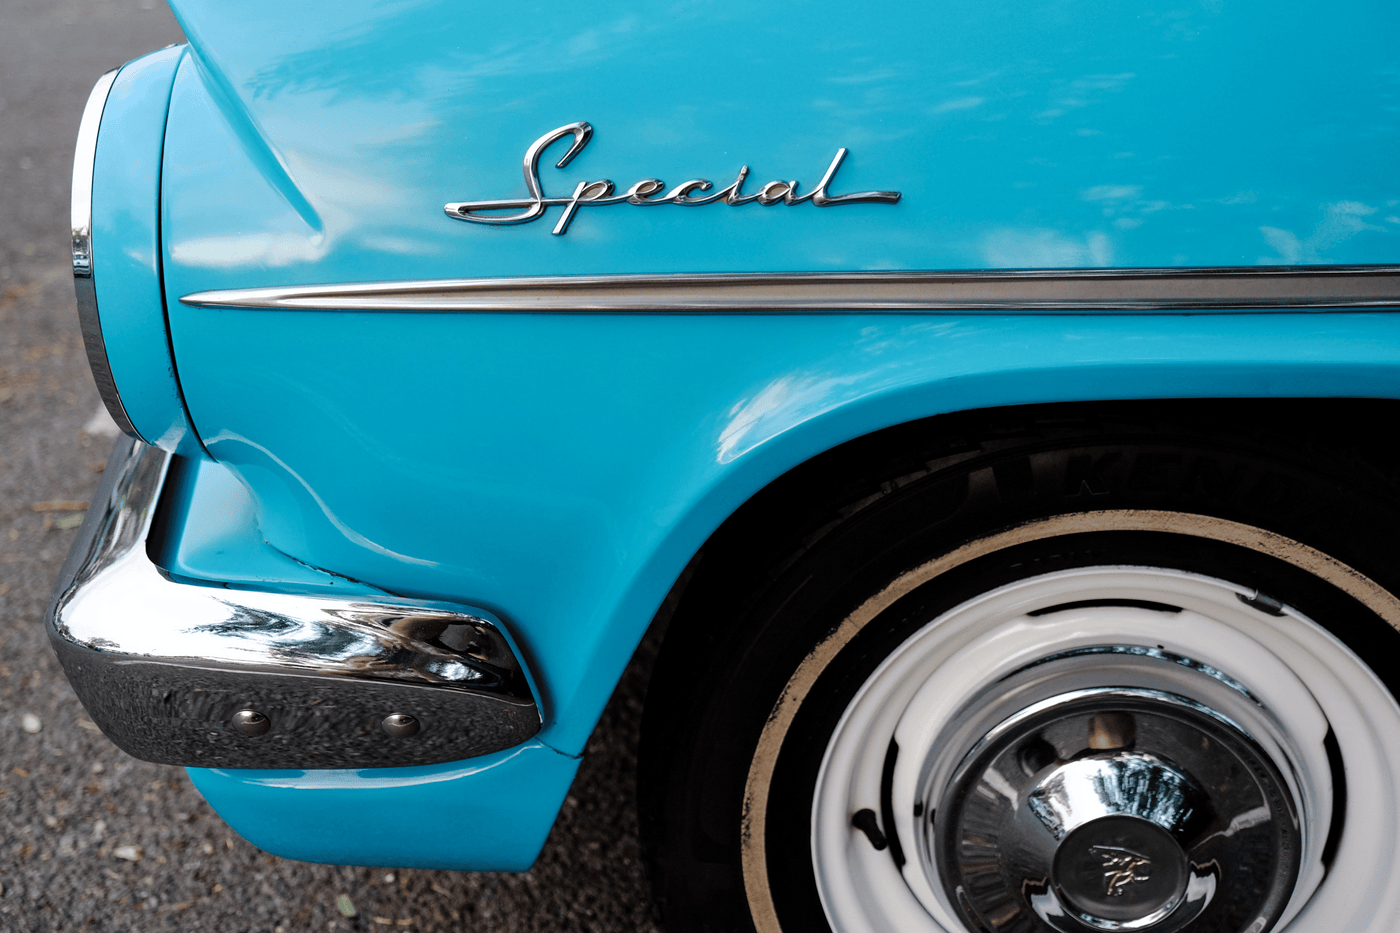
pixel 126 250
pixel 561 470
pixel 490 814
pixel 210 533
pixel 1067 133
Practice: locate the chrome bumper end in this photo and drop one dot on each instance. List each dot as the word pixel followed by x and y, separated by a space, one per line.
pixel 205 676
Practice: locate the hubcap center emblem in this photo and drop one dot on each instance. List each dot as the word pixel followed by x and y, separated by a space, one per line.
pixel 1122 867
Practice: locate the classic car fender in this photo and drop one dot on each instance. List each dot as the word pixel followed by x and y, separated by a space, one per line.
pixel 695 417
pixel 568 503
pixel 560 469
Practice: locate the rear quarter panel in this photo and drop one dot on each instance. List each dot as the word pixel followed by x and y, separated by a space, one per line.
pixel 560 470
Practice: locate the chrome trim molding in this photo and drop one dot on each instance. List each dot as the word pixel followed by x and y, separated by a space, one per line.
pixel 85 153
pixel 203 676
pixel 1072 290
pixel 644 193
pixel 84 157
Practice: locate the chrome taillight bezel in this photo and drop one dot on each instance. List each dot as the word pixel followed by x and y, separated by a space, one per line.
pixel 84 283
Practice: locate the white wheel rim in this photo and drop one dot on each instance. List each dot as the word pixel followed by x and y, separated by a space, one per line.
pixel 1306 679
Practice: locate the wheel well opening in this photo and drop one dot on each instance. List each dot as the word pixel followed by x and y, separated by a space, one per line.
pixel 773 607
pixel 794 511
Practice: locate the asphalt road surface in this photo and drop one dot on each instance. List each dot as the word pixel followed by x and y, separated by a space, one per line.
pixel 91 839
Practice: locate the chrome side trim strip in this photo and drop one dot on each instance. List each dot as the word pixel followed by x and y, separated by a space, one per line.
pixel 84 157
pixel 1075 290
pixel 204 676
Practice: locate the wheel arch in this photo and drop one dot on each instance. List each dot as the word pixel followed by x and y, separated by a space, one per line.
pixel 787 508
pixel 770 531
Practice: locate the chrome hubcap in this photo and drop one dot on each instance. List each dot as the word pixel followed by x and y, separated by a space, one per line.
pixel 1115 809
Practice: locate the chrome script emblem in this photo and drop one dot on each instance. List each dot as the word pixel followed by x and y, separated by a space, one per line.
pixel 645 193
pixel 1121 867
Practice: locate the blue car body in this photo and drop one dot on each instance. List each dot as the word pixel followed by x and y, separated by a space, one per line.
pixel 559 469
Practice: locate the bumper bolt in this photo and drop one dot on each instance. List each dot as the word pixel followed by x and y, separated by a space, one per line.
pixel 400 725
pixel 250 722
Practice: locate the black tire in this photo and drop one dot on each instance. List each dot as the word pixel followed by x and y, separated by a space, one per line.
pixel 1307 527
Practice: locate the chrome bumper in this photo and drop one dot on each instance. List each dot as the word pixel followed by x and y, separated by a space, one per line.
pixel 204 676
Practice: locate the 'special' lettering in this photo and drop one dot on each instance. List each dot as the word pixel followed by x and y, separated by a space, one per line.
pixel 645 193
